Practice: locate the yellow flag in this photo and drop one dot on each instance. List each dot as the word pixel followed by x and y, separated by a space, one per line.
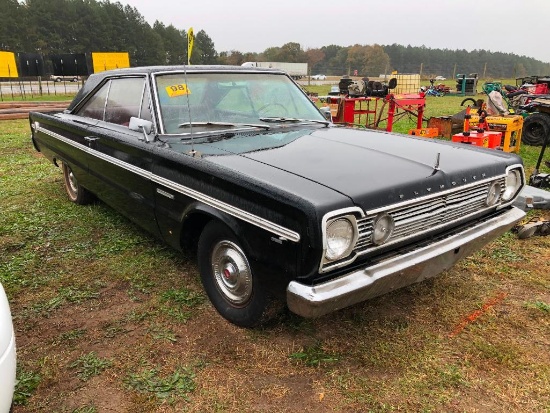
pixel 190 42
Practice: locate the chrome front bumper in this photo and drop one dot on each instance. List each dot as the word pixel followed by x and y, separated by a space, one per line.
pixel 398 271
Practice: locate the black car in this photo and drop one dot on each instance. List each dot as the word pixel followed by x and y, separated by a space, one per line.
pixel 279 203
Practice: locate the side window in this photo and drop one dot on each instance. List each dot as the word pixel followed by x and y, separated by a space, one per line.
pixel 95 107
pixel 124 100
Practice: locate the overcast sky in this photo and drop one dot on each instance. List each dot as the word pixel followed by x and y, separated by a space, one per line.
pixel 521 27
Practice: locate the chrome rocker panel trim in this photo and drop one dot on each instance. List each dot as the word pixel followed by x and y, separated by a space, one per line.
pixel 398 271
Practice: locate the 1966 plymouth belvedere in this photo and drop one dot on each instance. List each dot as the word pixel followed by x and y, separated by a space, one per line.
pixel 278 202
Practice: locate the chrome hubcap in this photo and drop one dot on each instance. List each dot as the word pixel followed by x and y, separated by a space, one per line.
pixel 232 272
pixel 72 182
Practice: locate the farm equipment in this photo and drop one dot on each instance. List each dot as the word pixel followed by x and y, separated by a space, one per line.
pixel 466 84
pixel 363 103
pixel 530 99
pixel 537 123
pixel 480 129
pixel 538 179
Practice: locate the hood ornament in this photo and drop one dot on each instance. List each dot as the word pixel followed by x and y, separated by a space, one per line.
pixel 436 166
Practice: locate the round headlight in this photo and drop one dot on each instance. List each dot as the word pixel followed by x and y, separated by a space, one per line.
pixel 493 195
pixel 512 184
pixel 383 228
pixel 340 238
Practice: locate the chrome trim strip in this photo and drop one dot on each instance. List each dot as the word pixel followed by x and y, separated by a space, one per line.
pixel 432 196
pixel 164 193
pixel 397 271
pixel 213 202
pixel 229 209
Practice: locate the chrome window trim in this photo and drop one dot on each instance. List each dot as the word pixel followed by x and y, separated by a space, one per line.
pixel 190 70
pixel 260 222
pixel 143 90
pixel 109 83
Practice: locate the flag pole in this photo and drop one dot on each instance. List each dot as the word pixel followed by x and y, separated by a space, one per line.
pixel 190 43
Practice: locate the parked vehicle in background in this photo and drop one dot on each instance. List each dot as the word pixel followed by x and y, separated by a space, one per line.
pixel 295 70
pixel 319 77
pixel 280 204
pixel 7 354
pixel 536 126
pixel 440 78
pixel 57 78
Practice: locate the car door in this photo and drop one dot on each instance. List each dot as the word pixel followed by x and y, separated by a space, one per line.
pixel 120 167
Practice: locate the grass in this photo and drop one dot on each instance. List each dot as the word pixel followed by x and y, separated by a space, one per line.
pixel 89 365
pixel 109 319
pixel 314 356
pixel 149 381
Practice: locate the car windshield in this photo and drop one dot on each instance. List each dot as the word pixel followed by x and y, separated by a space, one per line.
pixel 207 101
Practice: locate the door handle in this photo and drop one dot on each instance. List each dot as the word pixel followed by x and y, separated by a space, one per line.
pixel 90 140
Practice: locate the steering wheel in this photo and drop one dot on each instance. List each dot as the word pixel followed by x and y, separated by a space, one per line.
pixel 273 109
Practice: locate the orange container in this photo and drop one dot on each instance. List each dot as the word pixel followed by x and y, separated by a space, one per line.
pixel 484 139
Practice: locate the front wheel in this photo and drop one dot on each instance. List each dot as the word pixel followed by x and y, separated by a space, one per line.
pixel 231 285
pixel 76 193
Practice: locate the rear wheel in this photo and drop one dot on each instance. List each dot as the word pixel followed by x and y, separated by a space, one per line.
pixel 536 128
pixel 233 288
pixel 76 193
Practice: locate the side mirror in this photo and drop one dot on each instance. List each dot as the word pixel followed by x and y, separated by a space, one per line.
pixel 325 110
pixel 145 126
pixel 392 84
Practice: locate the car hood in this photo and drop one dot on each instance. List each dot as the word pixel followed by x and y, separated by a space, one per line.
pixel 372 168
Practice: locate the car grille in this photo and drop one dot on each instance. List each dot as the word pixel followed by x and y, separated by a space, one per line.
pixel 427 215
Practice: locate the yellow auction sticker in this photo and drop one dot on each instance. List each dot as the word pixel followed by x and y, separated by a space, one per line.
pixel 177 90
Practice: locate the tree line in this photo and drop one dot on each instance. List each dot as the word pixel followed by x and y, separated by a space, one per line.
pixel 83 26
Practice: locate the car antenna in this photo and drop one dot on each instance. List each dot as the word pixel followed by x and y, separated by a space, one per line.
pixel 192 152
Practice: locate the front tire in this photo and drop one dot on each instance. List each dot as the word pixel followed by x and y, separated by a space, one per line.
pixel 76 193
pixel 228 279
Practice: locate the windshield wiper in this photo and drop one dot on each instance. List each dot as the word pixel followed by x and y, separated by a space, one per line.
pixel 233 125
pixel 281 119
